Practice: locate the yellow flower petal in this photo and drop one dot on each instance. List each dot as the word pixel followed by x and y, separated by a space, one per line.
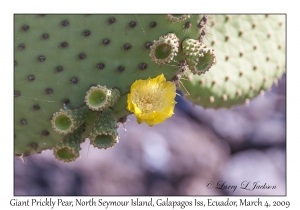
pixel 152 100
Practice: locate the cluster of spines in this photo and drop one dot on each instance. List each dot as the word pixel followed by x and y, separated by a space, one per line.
pixel 66 121
pixel 183 69
pixel 204 21
pixel 99 97
pixel 199 57
pixel 164 49
pixel 177 18
pixel 67 150
pixel 104 133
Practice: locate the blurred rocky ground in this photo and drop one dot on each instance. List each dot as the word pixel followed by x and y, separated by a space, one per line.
pixel 196 152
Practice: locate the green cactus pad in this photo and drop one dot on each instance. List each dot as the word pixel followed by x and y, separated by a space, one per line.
pixel 58 58
pixel 250 52
pixel 66 121
pixel 67 150
pixel 104 133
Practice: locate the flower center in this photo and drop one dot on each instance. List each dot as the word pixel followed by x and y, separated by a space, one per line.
pixel 149 106
pixel 149 97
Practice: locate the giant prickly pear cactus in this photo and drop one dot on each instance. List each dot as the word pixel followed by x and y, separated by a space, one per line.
pixel 250 51
pixel 77 76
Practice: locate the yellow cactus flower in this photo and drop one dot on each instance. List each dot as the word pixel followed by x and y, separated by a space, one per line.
pixel 152 100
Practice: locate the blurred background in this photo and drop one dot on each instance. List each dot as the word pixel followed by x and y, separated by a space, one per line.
pixel 195 152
